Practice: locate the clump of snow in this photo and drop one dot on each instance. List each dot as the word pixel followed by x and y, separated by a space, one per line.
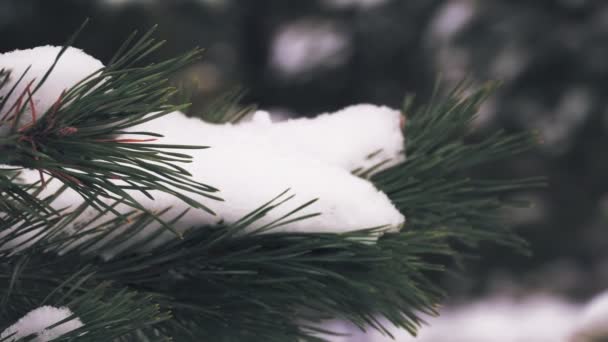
pixel 73 66
pixel 247 178
pixel 38 321
pixel 358 136
pixel 313 157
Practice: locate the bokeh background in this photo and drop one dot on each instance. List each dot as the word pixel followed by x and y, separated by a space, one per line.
pixel 300 58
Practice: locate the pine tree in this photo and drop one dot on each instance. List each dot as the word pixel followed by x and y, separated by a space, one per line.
pixel 225 282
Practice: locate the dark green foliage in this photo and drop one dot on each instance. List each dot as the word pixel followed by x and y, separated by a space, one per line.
pixel 434 189
pixel 222 284
pixel 219 281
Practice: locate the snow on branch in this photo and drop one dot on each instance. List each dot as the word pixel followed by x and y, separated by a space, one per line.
pixel 25 89
pixel 43 323
pixel 250 170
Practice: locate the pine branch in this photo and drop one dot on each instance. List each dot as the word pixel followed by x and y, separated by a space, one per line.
pixel 17 199
pixel 434 188
pixel 76 140
pixel 38 274
pixel 220 282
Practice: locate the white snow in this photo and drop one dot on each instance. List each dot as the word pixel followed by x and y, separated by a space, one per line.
pixel 535 318
pixel 253 162
pixel 37 321
pixel 592 325
pixel 345 138
pixel 73 66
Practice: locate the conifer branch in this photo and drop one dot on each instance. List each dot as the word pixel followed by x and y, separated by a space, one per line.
pixel 77 141
pixel 435 188
pixel 221 282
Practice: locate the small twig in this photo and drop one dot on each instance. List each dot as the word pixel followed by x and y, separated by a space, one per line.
pixel 32 108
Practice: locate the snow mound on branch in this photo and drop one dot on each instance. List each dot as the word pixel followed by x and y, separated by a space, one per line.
pixel 253 162
pixel 38 320
pixel 358 136
pixel 250 162
pixel 73 66
pixel 247 178
pixel 250 168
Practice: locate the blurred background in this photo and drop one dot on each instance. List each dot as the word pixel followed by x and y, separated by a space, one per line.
pixel 300 58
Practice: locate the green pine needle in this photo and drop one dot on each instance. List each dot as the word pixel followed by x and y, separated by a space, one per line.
pixel 224 282
pixel 76 140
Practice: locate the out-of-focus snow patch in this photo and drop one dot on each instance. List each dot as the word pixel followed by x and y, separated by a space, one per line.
pixel 302 46
pixel 125 2
pixel 509 63
pixel 593 322
pixel 451 18
pixel 452 61
pixel 501 319
pixel 569 113
pixel 486 113
pixel 495 319
pixel 211 3
pixel 364 4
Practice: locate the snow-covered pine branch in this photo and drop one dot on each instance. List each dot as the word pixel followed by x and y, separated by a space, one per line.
pixel 248 174
pixel 27 69
pixel 244 282
pixel 254 161
pixel 71 135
